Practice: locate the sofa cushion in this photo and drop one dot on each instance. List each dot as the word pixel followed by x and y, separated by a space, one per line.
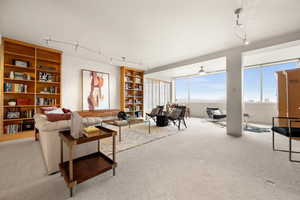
pixel 52 117
pixel 42 124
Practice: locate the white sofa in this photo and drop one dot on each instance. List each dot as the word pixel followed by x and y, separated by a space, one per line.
pixel 50 141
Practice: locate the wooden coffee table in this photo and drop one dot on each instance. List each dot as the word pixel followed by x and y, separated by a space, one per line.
pixel 123 123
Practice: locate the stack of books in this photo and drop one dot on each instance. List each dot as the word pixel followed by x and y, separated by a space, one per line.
pixel 45 101
pixel 91 131
pixel 15 87
pixel 27 113
pixel 11 128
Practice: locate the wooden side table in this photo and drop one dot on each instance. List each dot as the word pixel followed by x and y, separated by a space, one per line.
pixel 76 171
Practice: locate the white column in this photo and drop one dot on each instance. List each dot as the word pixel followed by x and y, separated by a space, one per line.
pixel 234 94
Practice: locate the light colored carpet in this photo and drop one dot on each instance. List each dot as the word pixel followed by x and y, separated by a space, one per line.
pixel 135 136
pixel 201 162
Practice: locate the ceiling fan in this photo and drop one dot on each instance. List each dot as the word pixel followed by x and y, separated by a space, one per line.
pixel 201 72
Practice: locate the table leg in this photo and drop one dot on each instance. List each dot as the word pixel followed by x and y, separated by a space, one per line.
pixel 71 192
pixel 36 134
pixel 71 168
pixel 98 145
pixel 61 153
pixel 114 154
pixel 149 127
pixel 120 132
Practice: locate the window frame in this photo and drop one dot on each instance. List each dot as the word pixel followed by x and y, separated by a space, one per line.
pixel 261 78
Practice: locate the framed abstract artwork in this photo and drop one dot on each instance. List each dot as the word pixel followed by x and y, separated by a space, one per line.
pixel 95 90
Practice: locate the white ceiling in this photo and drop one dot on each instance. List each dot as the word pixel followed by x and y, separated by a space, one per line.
pixel 276 53
pixel 210 66
pixel 155 32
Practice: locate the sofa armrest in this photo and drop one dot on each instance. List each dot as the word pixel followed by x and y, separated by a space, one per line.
pixel 42 124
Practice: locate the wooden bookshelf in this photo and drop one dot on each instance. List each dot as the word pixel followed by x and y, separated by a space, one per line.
pixel 24 83
pixel 132 91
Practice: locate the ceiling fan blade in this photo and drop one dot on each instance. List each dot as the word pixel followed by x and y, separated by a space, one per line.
pixel 197 74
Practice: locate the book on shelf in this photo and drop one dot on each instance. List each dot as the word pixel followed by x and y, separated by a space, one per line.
pixel 138 80
pixel 19 76
pixel 15 87
pixel 27 114
pixel 49 90
pixel 40 101
pixel 12 128
pixel 48 68
pixel 139 114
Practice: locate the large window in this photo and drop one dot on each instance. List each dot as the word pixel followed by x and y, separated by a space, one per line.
pixel 210 88
pixel 260 83
pixel 156 93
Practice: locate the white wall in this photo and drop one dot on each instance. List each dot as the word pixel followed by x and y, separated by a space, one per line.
pixel 261 113
pixel 72 81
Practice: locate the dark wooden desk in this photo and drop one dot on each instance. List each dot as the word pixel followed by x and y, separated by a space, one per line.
pixel 76 171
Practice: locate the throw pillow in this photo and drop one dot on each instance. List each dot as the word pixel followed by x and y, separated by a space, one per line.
pixel 58 117
pixel 216 112
pixel 65 110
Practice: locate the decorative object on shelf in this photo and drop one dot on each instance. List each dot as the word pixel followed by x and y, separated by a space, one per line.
pixel 13 115
pixel 46 77
pixel 12 102
pixel 11 75
pixel 20 63
pixel 95 90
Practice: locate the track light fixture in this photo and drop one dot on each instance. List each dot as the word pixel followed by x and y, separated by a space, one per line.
pixel 240 26
pixel 77 46
pixel 237 12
